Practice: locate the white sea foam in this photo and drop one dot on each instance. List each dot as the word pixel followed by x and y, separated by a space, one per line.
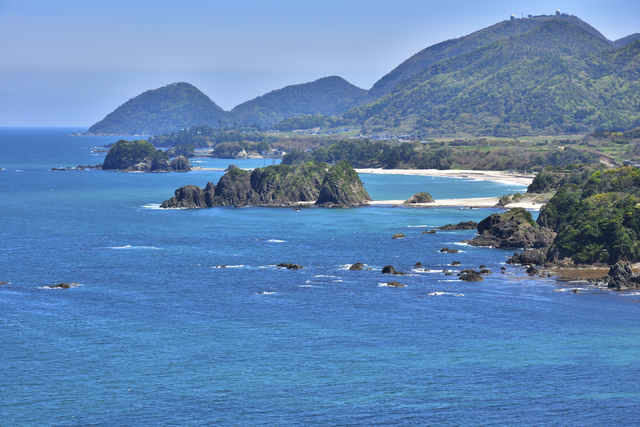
pixel 336 281
pixel 154 207
pixel 418 226
pixel 265 293
pixel 306 286
pixel 228 266
pixel 437 293
pixel 135 247
pixel 331 277
pixel 276 241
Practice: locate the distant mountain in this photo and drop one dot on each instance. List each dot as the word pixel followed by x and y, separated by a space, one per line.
pixel 328 96
pixel 452 48
pixel 556 78
pixel 626 40
pixel 169 108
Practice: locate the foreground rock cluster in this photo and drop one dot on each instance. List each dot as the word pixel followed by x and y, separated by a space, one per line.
pixel 281 185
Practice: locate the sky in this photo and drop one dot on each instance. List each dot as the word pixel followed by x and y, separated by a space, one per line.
pixel 71 62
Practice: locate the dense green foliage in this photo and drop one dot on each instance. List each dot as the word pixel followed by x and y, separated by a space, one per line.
pixel 555 78
pixel 204 137
pixel 326 96
pixel 598 220
pixel 231 149
pixel 186 150
pixel 126 153
pixel 309 121
pixel 554 177
pixel 366 153
pixel 169 108
pixel 454 47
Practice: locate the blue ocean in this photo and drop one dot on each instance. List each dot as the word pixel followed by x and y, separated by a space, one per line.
pixel 155 334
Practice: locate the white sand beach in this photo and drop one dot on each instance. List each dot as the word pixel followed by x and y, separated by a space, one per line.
pixel 517 178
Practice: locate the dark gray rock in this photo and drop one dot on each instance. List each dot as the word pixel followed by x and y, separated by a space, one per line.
pixel 180 164
pixel 190 196
pixel 395 284
pixel 465 225
pixel 471 276
pixel 449 251
pixel 357 266
pixel 529 257
pixel 388 269
pixel 513 229
pixel 621 277
pixel 398 236
pixel 419 198
pixel 290 266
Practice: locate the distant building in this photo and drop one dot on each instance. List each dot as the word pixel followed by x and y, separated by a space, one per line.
pixel 558 13
pixel 513 17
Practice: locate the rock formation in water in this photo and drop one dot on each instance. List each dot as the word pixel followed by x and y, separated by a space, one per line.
pixel 465 225
pixel 141 156
pixel 419 198
pixel 280 185
pixel 513 229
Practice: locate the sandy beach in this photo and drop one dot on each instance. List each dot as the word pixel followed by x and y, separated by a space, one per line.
pixel 517 178
pixel 481 202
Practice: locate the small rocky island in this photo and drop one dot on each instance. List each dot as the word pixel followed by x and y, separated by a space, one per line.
pixel 142 156
pixel 280 185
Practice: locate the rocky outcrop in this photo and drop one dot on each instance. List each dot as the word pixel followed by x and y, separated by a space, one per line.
pixel 529 257
pixel 471 276
pixel 281 185
pixel 141 156
pixel 191 196
pixel 398 236
pixel 465 225
pixel 342 187
pixel 419 198
pixel 621 277
pixel 395 284
pixel 513 229
pixel 446 250
pixel 357 266
pixel 389 269
pixel 290 266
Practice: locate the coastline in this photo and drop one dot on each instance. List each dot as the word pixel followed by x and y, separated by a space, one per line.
pixel 515 178
pixel 480 202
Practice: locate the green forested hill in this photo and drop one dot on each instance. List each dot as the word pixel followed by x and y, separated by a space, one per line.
pixel 328 96
pixel 626 40
pixel 451 48
pixel 555 78
pixel 169 108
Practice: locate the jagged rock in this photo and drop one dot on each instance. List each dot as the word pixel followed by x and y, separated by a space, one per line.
pixel 357 266
pixel 513 229
pixel 531 270
pixel 503 268
pixel 449 251
pixel 621 277
pixel 231 167
pixel 419 198
pixel 190 196
pixel 60 286
pixel 180 164
pixel 283 185
pixel 471 276
pixel 398 236
pixel 455 263
pixel 395 284
pixel 465 225
pixel 428 231
pixel 485 271
pixel 388 269
pixel 417 265
pixel 290 266
pixel 529 257
pixel 160 164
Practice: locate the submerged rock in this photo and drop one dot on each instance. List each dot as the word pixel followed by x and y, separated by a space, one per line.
pixel 398 236
pixel 449 251
pixel 357 266
pixel 471 276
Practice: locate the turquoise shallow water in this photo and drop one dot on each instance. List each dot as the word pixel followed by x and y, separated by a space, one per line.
pixel 156 335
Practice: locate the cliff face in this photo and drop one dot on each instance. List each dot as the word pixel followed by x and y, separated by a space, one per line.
pixel 279 185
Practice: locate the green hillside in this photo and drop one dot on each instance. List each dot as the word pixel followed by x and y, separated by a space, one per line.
pixel 169 108
pixel 328 96
pixel 454 47
pixel 555 78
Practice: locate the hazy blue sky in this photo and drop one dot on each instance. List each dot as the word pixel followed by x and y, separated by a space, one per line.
pixel 71 62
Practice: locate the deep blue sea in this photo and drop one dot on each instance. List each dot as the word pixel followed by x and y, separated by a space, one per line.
pixel 156 335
